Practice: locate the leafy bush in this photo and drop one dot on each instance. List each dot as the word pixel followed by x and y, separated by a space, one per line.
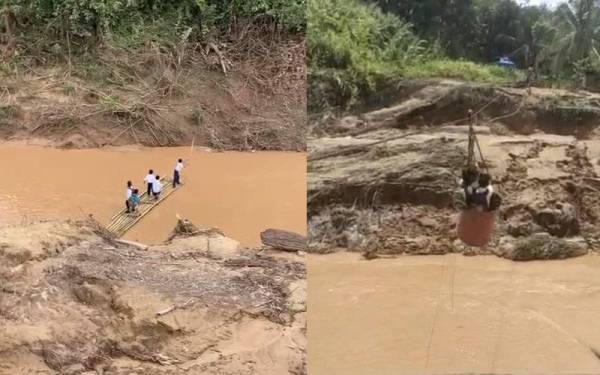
pixel 352 47
pixel 347 34
pixel 291 14
pixel 356 52
pixel 101 18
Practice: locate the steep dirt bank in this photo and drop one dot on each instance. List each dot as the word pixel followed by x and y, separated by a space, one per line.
pixel 152 98
pixel 438 103
pixel 383 182
pixel 73 303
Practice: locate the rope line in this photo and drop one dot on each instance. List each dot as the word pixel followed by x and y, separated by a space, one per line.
pixel 471 163
pixel 435 315
pixel 483 163
pixel 502 323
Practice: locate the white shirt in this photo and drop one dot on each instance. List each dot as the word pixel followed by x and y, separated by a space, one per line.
pixel 470 188
pixel 156 186
pixel 128 193
pixel 179 167
pixel 149 179
pixel 489 190
pixel 473 187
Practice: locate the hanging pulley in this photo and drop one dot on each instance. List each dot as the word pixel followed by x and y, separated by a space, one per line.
pixel 475 226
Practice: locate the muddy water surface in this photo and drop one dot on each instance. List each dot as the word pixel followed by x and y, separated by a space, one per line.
pixel 452 314
pixel 241 193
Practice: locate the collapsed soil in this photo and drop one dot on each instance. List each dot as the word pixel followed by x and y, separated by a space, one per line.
pixel 72 302
pixel 120 97
pixel 384 181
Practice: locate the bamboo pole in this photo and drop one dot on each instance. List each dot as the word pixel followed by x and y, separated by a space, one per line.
pixel 123 211
pixel 122 221
pixel 121 230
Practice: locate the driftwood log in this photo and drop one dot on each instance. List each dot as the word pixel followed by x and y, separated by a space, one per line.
pixel 283 240
pixel 137 245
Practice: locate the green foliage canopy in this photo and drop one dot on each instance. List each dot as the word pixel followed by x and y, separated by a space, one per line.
pixel 96 18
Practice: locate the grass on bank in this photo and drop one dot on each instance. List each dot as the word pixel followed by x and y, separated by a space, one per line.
pixel 356 52
pixel 462 70
pixel 345 89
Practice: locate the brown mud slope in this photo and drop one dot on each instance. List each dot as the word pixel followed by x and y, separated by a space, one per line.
pixel 383 182
pixel 224 101
pixel 74 303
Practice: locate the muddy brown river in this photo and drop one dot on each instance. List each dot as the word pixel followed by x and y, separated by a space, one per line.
pixel 452 314
pixel 240 193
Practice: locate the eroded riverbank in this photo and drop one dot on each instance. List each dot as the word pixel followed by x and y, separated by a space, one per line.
pixel 384 182
pixel 73 302
pixel 240 193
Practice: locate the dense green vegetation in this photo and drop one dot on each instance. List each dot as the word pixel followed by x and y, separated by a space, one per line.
pixel 483 30
pixel 59 27
pixel 352 46
pixel 357 47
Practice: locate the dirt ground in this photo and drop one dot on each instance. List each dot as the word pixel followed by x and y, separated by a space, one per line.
pixel 122 98
pixel 72 302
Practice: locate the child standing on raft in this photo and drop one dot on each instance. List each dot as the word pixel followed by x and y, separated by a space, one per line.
pixel 156 187
pixel 177 173
pixel 128 194
pixel 133 201
pixel 149 180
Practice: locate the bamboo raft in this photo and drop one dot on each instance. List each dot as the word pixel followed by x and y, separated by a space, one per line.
pixel 123 221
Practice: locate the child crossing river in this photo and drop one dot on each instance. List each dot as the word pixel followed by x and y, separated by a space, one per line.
pixel 153 185
pixel 133 201
pixel 177 173
pixel 128 193
pixel 156 187
pixel 149 180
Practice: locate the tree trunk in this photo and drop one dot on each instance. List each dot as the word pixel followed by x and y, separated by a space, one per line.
pixel 10 21
pixel 283 240
pixel 10 25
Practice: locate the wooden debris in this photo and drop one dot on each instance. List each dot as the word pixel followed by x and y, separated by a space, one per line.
pixel 138 245
pixel 166 311
pixel 174 307
pixel 186 228
pixel 101 230
pixel 212 46
pixel 283 240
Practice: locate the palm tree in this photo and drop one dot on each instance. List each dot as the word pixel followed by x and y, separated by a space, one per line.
pixel 578 24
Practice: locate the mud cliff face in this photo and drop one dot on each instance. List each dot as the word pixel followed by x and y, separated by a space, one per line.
pixel 383 182
pixel 116 97
pixel 73 303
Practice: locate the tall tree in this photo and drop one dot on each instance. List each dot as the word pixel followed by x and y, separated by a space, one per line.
pixel 578 25
pixel 498 18
pixel 450 23
pixel 530 36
